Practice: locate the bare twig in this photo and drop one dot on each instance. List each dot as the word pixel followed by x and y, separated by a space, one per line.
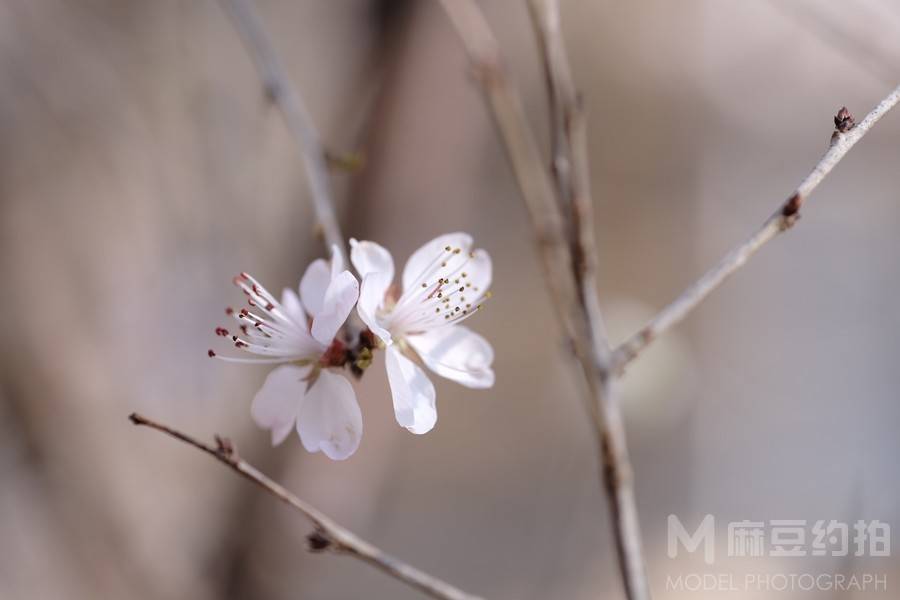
pixel 571 169
pixel 844 138
pixel 565 243
pixel 328 535
pixel 278 88
pixel 525 158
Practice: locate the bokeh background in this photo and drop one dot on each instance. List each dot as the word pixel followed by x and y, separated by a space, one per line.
pixel 141 168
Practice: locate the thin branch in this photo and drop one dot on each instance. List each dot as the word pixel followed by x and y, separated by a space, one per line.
pixel 328 534
pixel 279 90
pixel 523 154
pixel 845 137
pixel 571 169
pixel 565 243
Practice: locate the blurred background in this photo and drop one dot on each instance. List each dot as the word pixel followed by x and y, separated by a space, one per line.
pixel 141 168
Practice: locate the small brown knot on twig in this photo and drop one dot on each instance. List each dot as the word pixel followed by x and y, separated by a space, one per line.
pixel 792 206
pixel 488 71
pixel 844 121
pixel 225 447
pixel 790 211
pixel 318 541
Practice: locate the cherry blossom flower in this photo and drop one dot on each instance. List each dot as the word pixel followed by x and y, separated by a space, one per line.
pixel 299 334
pixel 444 283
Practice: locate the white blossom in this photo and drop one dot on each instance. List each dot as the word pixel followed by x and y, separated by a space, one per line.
pixel 443 283
pixel 299 334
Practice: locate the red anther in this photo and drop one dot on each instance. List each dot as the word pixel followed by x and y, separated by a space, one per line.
pixel 244 275
pixel 244 329
pixel 270 306
pixel 240 344
pixel 244 312
pixel 210 353
pixel 229 311
pixel 221 331
pixel 335 356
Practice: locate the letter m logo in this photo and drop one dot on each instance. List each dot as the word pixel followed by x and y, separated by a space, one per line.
pixel 705 534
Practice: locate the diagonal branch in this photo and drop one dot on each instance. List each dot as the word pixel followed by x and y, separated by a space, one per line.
pixel 278 88
pixel 845 137
pixel 562 218
pixel 328 534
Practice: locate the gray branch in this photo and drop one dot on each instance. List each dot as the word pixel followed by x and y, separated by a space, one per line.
pixel 328 534
pixel 844 138
pixel 279 90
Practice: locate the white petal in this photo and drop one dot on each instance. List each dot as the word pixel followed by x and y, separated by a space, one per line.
pixel 330 419
pixel 290 302
pixel 276 404
pixel 422 258
pixel 314 284
pixel 479 272
pixel 369 257
pixel 457 353
pixel 337 261
pixel 371 295
pixel 413 392
pixel 339 299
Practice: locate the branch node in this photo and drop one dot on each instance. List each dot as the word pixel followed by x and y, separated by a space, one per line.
pixel 272 91
pixel 225 447
pixel 843 120
pixel 488 72
pixel 792 206
pixel 319 540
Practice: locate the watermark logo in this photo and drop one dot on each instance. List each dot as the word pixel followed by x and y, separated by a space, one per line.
pixel 778 539
pixel 705 534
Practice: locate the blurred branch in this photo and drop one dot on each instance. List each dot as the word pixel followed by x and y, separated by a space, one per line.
pixel 565 242
pixel 328 534
pixel 844 138
pixel 571 169
pixel 279 90
pixel 857 46
pixel 524 156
